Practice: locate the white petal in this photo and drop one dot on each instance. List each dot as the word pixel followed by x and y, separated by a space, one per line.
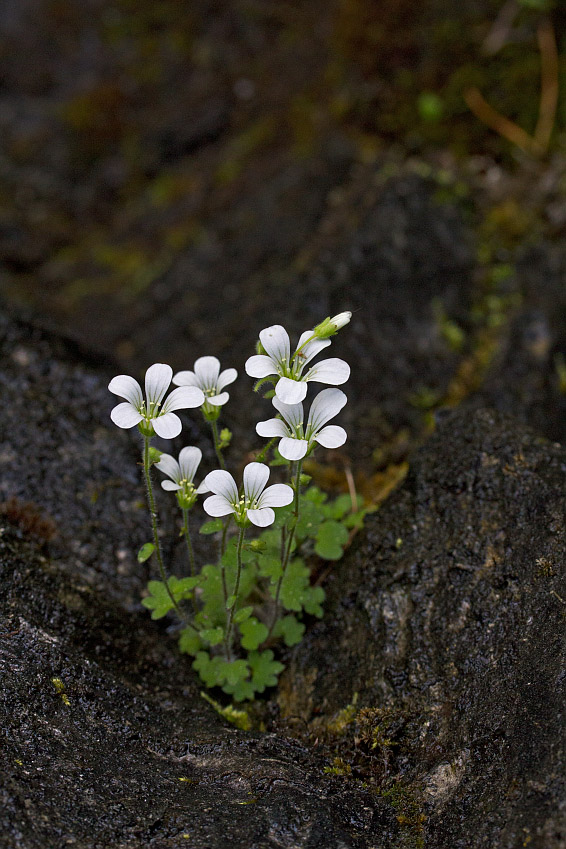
pixel 278 495
pixel 124 415
pixel 260 366
pixel 183 398
pixel 275 341
pixel 225 378
pixel 168 425
pixel 202 488
pixel 170 486
pixel 324 407
pixel 207 370
pixel 333 371
pixel 128 388
pixel 222 483
pixel 290 391
pixel 256 476
pixel 218 400
pixel 170 467
pixel 185 378
pixel 292 413
pixel 189 460
pixel 262 518
pixel 157 381
pixel 217 505
pixel 331 436
pixel 314 347
pixel 292 448
pixel 272 427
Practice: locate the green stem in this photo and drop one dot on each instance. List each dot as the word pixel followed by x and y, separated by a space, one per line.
pixel 306 342
pixel 186 534
pixel 236 591
pixel 157 544
pixel 225 527
pixel 288 548
pixel 216 438
pixel 261 456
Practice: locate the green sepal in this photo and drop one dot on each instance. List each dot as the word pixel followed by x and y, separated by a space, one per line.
pixel 154 455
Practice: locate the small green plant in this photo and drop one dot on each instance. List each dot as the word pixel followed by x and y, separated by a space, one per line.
pixel 234 611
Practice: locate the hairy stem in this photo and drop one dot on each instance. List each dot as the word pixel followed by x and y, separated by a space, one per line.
pixel 235 593
pixel 153 515
pixel 216 439
pixel 288 548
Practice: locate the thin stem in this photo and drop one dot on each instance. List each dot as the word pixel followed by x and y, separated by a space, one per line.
pixel 261 456
pixel 306 342
pixel 186 534
pixel 236 590
pixel 288 548
pixel 216 438
pixel 157 544
pixel 225 527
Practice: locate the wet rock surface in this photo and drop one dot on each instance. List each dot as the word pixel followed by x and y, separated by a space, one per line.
pixel 449 623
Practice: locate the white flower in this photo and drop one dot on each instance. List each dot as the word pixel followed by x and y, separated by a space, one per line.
pixel 154 415
pixel 291 387
pixel 330 326
pixel 256 502
pixel 208 377
pixel 181 474
pixel 296 439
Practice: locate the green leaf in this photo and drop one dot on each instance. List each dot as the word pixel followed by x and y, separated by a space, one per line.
pixel 158 601
pixel 211 527
pixel 189 641
pixel 209 669
pixel 243 614
pixel 313 598
pixel 340 506
pixel 270 566
pixel 294 585
pixel 240 691
pixel 265 670
pixel 145 552
pixel 230 602
pixel 290 629
pixel 213 635
pixel 233 671
pixel 253 633
pixel 330 538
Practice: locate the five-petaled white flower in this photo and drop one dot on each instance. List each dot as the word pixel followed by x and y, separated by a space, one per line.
pixel 297 440
pixel 208 377
pixel 256 502
pixel 181 474
pixel 152 414
pixel 291 387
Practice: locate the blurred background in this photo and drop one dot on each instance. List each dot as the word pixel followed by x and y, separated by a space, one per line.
pixel 176 175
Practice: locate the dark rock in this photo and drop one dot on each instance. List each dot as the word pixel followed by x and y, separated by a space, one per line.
pixel 449 622
pixel 106 739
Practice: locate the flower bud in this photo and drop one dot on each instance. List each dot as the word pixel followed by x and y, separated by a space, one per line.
pixel 330 326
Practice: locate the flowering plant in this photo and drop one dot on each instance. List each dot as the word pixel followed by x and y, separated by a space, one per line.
pixel 233 612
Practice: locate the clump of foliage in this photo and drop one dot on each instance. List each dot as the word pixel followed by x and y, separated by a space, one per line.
pixel 234 611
